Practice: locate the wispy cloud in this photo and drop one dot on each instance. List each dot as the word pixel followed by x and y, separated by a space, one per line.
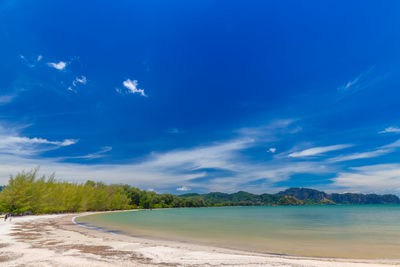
pixel 390 129
pixel 395 144
pixel 218 166
pixel 379 178
pixel 13 143
pixel 286 125
pixel 96 155
pixel 132 86
pixel 359 82
pixel 380 151
pixel 349 84
pixel 59 66
pixel 362 155
pixel 79 80
pixel 168 170
pixel 316 151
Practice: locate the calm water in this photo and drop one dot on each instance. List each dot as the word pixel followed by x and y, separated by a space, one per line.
pixel 365 231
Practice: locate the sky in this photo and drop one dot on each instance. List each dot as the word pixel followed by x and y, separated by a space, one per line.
pixel 205 95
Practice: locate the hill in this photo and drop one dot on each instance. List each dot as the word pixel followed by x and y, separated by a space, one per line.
pixel 312 196
pixel 242 198
pixel 291 196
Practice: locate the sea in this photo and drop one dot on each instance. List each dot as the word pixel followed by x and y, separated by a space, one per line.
pixel 338 231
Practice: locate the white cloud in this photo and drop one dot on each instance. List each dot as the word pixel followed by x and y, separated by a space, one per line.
pixel 59 66
pixel 381 178
pixel 132 87
pixel 13 143
pixel 272 150
pixel 78 80
pixel 81 80
pixel 390 130
pixel 39 58
pixel 165 170
pixel 7 140
pixel 183 188
pixel 30 146
pixel 66 142
pixel 315 151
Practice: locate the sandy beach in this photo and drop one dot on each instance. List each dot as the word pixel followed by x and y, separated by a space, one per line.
pixel 55 240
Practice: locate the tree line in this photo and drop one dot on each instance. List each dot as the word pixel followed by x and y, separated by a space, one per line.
pixel 26 192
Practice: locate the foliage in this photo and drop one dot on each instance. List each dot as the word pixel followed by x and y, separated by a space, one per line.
pixel 242 198
pixel 27 193
pixel 149 200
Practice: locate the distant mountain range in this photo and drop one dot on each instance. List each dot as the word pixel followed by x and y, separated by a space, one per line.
pixel 291 196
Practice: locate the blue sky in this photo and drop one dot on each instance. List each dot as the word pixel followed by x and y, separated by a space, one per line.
pixel 198 96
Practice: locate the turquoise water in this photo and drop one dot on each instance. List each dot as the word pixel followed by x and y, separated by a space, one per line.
pixel 363 231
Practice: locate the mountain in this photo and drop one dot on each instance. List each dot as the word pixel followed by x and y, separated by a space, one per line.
pixel 291 196
pixel 312 196
pixel 307 195
pixel 349 198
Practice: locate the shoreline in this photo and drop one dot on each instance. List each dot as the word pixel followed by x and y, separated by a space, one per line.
pixel 49 240
pixel 354 251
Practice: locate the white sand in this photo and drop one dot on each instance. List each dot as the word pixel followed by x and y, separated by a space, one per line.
pixel 54 240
